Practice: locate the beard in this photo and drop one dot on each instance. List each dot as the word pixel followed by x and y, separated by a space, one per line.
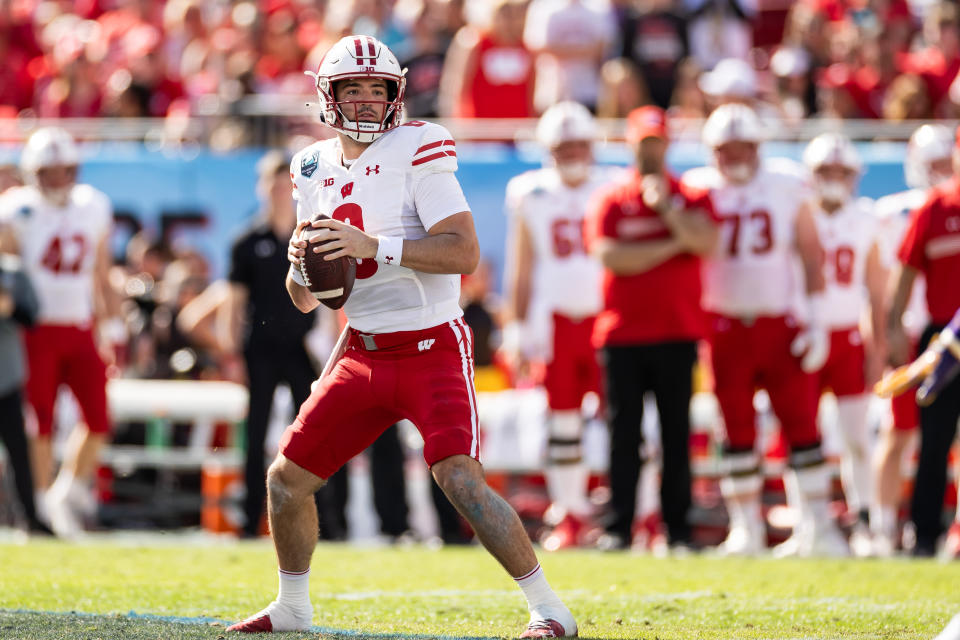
pixel 649 164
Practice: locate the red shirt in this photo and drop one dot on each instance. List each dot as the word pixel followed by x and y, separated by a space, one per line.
pixel 658 305
pixel 931 245
pixel 501 83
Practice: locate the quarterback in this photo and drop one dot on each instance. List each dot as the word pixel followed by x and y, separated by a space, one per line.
pixel 396 206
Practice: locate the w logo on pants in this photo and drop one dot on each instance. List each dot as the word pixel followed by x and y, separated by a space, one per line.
pixel 423 345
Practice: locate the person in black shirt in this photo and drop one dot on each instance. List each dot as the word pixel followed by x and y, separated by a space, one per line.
pixel 272 331
pixel 654 36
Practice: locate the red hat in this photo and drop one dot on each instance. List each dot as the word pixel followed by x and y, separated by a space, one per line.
pixel 646 122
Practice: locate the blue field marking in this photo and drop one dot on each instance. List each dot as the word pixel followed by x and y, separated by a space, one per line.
pixel 350 633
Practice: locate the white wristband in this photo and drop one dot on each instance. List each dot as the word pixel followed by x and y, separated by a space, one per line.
pixel 389 249
pixel 296 276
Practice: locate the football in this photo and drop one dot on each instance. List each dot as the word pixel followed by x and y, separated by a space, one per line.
pixel 330 281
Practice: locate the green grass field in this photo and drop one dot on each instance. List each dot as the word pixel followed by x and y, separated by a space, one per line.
pixel 134 592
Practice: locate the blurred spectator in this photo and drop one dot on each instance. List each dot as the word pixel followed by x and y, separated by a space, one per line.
pixel 736 81
pixel 570 39
pixel 907 99
pixel 9 177
pixel 719 29
pixel 425 54
pixel 653 35
pixel 927 164
pixel 929 249
pixel 939 62
pixel 649 232
pixel 489 73
pixel 622 89
pixel 18 307
pixel 793 93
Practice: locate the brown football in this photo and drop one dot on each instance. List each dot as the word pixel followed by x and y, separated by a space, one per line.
pixel 330 281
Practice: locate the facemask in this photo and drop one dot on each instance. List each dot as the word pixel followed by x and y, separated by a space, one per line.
pixel 833 191
pixel 574 171
pixel 741 172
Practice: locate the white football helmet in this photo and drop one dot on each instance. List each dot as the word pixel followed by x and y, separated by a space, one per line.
pixel 729 123
pixel 929 143
pixel 47 148
pixel 563 122
pixel 732 122
pixel 833 150
pixel 360 57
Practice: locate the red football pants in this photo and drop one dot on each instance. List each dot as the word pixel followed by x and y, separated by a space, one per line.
pixel 65 355
pixel 747 355
pixel 425 376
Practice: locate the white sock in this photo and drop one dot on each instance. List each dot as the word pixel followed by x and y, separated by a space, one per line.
pixel 855 467
pixel 295 591
pixel 883 520
pixel 567 486
pixel 537 591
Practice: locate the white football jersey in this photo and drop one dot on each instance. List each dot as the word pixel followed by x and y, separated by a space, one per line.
pixel 893 214
pixel 846 236
pixel 565 279
pixel 392 189
pixel 755 268
pixel 58 247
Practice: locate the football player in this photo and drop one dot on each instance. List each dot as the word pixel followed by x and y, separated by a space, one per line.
pixel 927 164
pixel 61 230
pixel 751 288
pixel 854 275
pixel 396 206
pixel 553 297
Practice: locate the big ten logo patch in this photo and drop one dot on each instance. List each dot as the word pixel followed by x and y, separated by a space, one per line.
pixel 328 182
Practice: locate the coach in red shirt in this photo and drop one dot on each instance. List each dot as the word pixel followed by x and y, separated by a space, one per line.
pixel 931 246
pixel 649 232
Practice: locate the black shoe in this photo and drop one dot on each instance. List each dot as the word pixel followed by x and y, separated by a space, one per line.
pixel 37 528
pixel 612 542
pixel 924 550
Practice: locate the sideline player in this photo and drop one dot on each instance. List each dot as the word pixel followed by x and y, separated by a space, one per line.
pixel 751 289
pixel 927 165
pixel 397 208
pixel 553 298
pixel 61 230
pixel 854 276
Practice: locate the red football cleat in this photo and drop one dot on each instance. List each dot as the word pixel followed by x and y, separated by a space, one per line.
pixel 546 629
pixel 566 534
pixel 259 623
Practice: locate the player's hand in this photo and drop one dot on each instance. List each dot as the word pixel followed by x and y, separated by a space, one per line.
pixel 812 346
pixel 898 346
pixel 345 240
pixel 655 192
pixel 6 304
pixel 297 247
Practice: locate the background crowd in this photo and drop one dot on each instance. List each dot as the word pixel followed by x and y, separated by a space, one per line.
pixel 889 59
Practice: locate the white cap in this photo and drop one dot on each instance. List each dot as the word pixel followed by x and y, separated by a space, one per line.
pixel 831 148
pixel 929 143
pixel 563 122
pixel 731 77
pixel 729 123
pixel 790 62
pixel 49 147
